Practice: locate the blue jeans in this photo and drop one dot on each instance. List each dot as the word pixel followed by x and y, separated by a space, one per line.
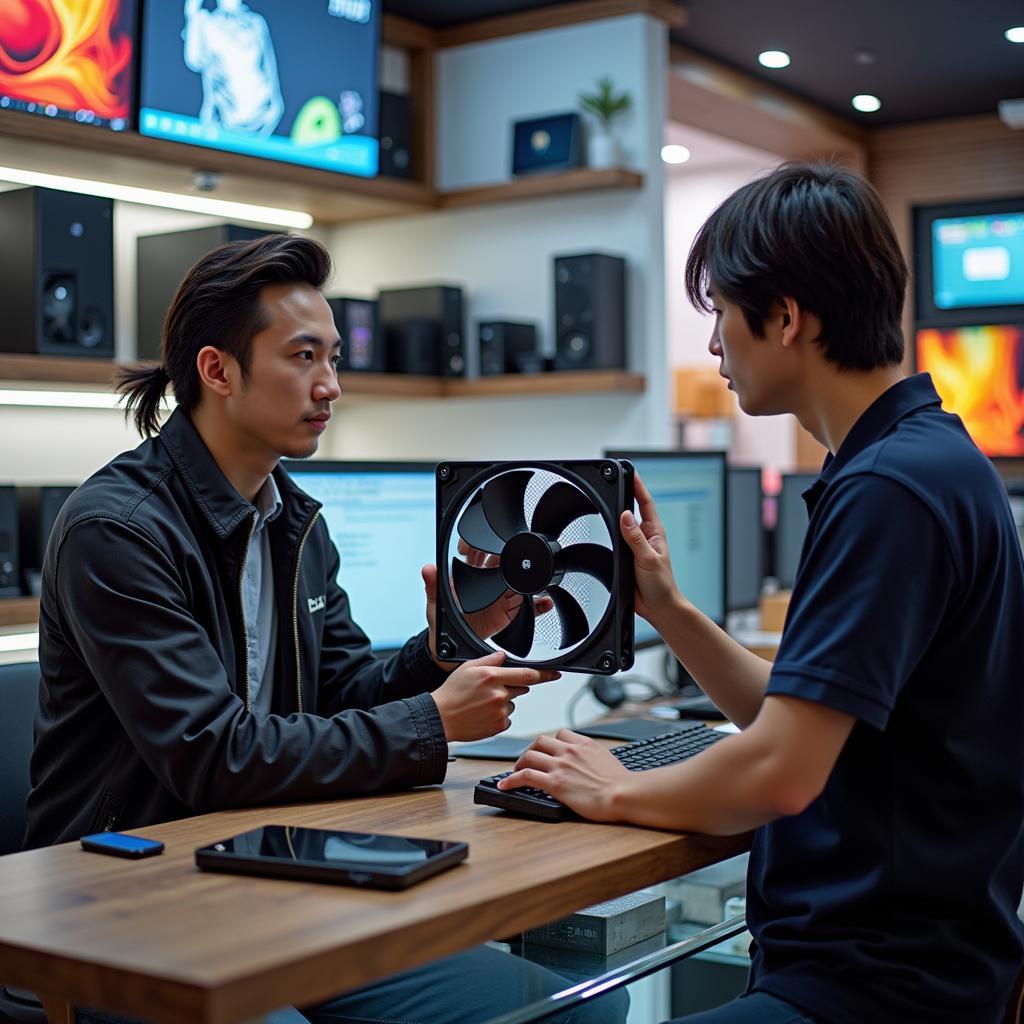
pixel 468 988
pixel 753 1008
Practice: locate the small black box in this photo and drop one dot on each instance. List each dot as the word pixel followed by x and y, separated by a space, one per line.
pixel 9 585
pixel 551 143
pixel 423 329
pixel 362 348
pixel 395 135
pixel 162 262
pixel 38 507
pixel 501 344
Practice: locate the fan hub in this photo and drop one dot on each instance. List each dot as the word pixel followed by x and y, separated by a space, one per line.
pixel 528 563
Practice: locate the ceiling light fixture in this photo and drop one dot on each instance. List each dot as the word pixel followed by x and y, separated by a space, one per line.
pixel 673 154
pixel 166 200
pixel 1015 34
pixel 774 59
pixel 866 103
pixel 43 399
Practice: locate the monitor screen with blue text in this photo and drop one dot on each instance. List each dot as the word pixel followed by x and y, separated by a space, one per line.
pixel 380 516
pixel 690 495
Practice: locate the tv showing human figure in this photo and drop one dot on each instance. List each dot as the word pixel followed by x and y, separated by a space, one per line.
pixel 291 80
pixel 231 49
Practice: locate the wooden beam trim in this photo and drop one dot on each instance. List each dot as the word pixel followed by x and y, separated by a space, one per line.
pixel 407 34
pixel 726 81
pixel 559 16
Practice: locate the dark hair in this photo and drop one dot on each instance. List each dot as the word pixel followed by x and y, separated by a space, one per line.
pixel 218 304
pixel 819 234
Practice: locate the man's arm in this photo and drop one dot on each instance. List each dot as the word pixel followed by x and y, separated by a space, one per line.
pixel 126 607
pixel 733 677
pixel 776 767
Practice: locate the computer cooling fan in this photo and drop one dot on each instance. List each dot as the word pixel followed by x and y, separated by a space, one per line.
pixel 536 564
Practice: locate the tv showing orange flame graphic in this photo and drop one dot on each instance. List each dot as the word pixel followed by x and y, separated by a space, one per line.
pixel 979 372
pixel 70 58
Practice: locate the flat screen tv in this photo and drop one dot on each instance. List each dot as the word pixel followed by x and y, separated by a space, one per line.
pixel 969 263
pixel 69 60
pixel 979 373
pixel 291 80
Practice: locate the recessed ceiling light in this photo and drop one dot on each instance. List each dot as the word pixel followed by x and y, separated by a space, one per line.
pixel 774 59
pixel 675 154
pixel 1015 34
pixel 866 103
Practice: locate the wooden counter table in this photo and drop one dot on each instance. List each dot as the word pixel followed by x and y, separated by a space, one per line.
pixel 159 938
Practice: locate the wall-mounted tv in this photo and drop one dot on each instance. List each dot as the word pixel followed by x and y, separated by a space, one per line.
pixel 979 373
pixel 69 60
pixel 969 262
pixel 291 80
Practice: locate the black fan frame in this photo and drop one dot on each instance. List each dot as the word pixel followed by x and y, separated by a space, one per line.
pixel 609 484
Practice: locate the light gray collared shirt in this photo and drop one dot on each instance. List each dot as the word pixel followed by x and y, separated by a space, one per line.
pixel 258 598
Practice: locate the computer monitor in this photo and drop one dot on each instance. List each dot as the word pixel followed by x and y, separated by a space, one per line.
pixel 969 262
pixel 979 373
pixel 690 493
pixel 380 516
pixel 292 80
pixel 744 538
pixel 791 526
pixel 70 60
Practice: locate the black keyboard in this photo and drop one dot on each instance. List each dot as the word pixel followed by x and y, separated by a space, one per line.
pixel 638 756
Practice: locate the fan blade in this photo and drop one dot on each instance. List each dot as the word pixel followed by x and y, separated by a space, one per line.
pixel 592 559
pixel 517 636
pixel 476 588
pixel 476 531
pixel 574 622
pixel 559 505
pixel 503 503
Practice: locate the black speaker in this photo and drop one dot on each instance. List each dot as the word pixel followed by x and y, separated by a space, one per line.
pixel 162 261
pixel 37 512
pixel 590 312
pixel 56 273
pixel 9 586
pixel 362 350
pixel 503 343
pixel 395 135
pixel 412 319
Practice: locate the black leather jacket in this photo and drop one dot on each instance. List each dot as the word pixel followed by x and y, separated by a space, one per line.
pixel 144 712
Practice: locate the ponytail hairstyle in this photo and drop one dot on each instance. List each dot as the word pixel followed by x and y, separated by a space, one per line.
pixel 218 304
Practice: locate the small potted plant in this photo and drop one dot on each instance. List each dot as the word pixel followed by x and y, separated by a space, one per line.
pixel 604 105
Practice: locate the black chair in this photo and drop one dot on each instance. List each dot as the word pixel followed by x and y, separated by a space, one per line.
pixel 19 694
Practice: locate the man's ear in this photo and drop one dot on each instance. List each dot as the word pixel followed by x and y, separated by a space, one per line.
pixel 214 368
pixel 792 319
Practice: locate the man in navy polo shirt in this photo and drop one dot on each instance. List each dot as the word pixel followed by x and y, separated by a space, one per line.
pixel 881 757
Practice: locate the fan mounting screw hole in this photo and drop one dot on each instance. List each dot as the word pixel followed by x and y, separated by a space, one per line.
pixel 444 649
pixel 606 662
pixel 608 471
pixel 443 472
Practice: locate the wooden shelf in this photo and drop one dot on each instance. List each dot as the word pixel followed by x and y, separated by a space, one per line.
pixel 56 370
pixel 577 382
pixel 536 186
pixel 19 611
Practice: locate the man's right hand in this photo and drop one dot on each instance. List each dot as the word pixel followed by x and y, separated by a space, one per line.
pixel 477 699
pixel 655 584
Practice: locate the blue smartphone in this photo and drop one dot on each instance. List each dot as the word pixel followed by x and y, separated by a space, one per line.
pixel 120 845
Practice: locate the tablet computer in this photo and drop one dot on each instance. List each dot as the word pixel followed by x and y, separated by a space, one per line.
pixel 365 859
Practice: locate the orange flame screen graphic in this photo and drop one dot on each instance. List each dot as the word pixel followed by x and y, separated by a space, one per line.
pixel 68 53
pixel 979 372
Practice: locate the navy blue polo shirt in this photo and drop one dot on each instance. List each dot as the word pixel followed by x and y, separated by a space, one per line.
pixel 893 896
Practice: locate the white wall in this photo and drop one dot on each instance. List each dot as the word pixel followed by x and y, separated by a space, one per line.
pixel 692 192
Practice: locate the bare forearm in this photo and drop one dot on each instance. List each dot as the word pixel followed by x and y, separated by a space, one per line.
pixel 728 789
pixel 733 677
